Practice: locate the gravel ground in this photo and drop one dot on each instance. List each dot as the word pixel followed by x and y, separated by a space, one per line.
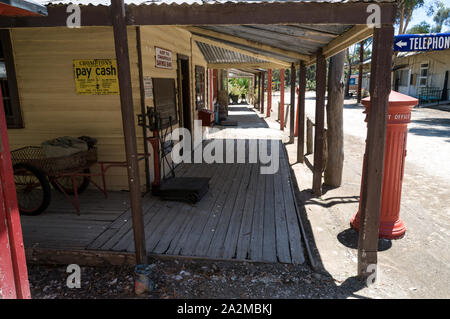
pixel 194 279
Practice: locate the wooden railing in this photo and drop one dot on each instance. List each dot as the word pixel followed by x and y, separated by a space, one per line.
pixel 310 141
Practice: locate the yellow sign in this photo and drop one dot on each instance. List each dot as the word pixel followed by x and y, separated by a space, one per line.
pixel 96 77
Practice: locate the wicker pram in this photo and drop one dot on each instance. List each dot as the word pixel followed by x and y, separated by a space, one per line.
pixel 34 155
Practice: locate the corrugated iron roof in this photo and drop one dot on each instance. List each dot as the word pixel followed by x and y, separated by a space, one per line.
pixel 274 41
pixel 304 39
pixel 215 54
pixel 239 73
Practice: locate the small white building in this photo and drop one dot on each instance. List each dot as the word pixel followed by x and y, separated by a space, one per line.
pixel 423 75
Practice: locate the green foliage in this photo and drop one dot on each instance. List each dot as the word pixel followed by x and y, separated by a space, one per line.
pixel 420 28
pixel 311 77
pixel 238 86
pixel 405 12
pixel 311 85
pixel 441 16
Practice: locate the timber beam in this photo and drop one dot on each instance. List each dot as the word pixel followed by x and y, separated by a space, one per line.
pixel 214 14
pixel 356 34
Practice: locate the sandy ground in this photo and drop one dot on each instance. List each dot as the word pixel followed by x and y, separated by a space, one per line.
pixel 416 266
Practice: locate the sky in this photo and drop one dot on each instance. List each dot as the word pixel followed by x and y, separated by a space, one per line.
pixel 420 15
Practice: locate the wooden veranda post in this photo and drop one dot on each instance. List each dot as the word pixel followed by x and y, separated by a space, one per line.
pixel 258 90
pixel 281 115
pixel 360 72
pixel 269 92
pixel 262 93
pixel 380 87
pixel 301 112
pixel 13 265
pixel 129 130
pixel 143 110
pixel 321 76
pixel 292 106
pixel 335 121
pixel 255 88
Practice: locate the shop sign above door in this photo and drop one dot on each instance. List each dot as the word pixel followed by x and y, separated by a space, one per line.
pixel 163 58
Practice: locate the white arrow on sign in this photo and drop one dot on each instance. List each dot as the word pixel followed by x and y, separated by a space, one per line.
pixel 401 44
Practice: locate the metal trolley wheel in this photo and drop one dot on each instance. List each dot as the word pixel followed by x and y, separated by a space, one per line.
pixel 33 189
pixel 66 183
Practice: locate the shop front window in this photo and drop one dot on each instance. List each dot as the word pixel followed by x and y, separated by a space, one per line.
pixel 8 83
pixel 199 87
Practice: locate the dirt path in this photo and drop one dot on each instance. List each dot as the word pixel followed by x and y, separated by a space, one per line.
pixel 416 266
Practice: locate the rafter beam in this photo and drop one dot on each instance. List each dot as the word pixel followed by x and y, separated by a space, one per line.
pixel 248 43
pixel 356 34
pixel 222 45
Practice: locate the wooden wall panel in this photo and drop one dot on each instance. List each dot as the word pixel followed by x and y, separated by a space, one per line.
pixel 50 105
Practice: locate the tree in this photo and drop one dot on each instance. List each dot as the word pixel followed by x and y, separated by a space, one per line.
pixel 405 12
pixel 441 16
pixel 420 28
pixel 352 58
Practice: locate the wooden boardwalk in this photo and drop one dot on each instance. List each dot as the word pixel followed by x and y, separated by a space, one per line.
pixel 244 216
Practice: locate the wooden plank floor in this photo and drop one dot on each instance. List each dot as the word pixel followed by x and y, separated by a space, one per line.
pixel 244 216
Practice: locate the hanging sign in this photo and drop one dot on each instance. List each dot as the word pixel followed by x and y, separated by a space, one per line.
pixel 96 77
pixel 163 58
pixel 148 87
pixel 422 42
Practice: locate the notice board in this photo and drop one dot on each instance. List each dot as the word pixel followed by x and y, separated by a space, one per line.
pixel 96 77
pixel 163 58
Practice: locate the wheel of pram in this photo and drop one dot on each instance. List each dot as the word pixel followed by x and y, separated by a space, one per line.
pixel 32 188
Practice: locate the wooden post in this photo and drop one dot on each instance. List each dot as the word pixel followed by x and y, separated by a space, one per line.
pixel 325 149
pixel 309 137
pixel 259 91
pixel 321 76
pixel 370 203
pixel 292 110
pixel 360 72
pixel 269 92
pixel 126 102
pixel 256 93
pixel 143 109
pixel 281 109
pixel 254 90
pixel 13 265
pixel 301 112
pixel 335 121
pixel 297 115
pixel 262 93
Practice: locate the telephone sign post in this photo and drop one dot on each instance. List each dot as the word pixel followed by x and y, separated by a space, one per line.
pixel 422 42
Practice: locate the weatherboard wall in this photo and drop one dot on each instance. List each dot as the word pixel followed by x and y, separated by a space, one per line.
pixel 49 103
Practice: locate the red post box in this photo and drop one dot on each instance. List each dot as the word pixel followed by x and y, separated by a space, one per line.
pixel 399 115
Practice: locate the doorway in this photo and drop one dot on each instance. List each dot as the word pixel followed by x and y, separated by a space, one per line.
pixel 184 97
